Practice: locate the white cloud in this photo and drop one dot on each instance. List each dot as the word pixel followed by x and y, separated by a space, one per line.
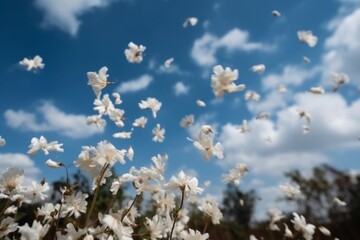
pixel 135 85
pixel 180 89
pixel 19 160
pixel 206 47
pixel 343 47
pixel 65 14
pixel 52 120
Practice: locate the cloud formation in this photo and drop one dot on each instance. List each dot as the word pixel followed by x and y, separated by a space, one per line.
pixel 49 118
pixel 205 48
pixel 135 85
pixel 65 14
pixel 180 89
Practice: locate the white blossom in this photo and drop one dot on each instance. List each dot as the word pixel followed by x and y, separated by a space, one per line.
pixel 339 202
pixel 190 21
pixel 307 37
pixel 75 204
pixel 36 231
pixel 185 183
pixel 113 221
pixel 42 144
pixel 324 231
pixel 300 225
pixel 159 133
pixel 151 103
pixel 260 68
pixel 117 97
pixel 276 13
pixel 97 120
pixel 222 81
pixel 104 106
pixel 211 209
pixel 134 53
pixel 290 191
pixel 168 62
pixel 252 95
pixel 98 81
pixel 187 121
pixel 35 63
pixel 200 103
pixel 123 135
pixel 53 164
pixel 275 215
pixel 235 174
pixel 140 122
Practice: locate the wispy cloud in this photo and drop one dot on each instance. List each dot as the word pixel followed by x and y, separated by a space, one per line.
pixel 65 14
pixel 48 118
pixel 180 89
pixel 135 85
pixel 205 48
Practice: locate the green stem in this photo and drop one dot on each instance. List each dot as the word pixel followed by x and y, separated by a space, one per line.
pixel 176 213
pixel 93 201
pixel 7 204
pixel 206 225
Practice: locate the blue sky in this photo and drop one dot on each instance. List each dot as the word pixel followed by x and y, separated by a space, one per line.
pixel 75 37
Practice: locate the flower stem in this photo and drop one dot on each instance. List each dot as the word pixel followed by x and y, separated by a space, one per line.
pixel 7 204
pixel 128 210
pixel 176 213
pixel 93 201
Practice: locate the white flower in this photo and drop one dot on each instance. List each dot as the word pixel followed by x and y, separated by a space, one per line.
pixel 222 81
pixel 235 175
pixel 107 153
pixel 113 221
pixel 151 103
pixel 288 233
pixel 210 208
pixel 317 90
pixel 48 211
pixel 244 127
pixel 339 202
pixel 290 191
pixel 187 121
pixel 252 237
pixel 7 226
pixel 185 183
pixel 168 62
pixel 340 79
pixel 117 98
pixel 118 182
pixel 53 164
pixel 130 153
pixel 281 88
pixel 306 115
pixel 117 115
pixel 156 227
pixel 10 181
pixel 191 20
pixel 300 225
pixel 42 144
pixel 307 37
pixel 200 103
pixel 140 122
pixel 134 53
pixel 75 204
pixel 324 231
pixel 306 59
pixel 97 120
pixel 123 135
pixel 275 216
pixel 191 234
pixel 276 13
pixel 2 141
pixel 36 192
pixel 36 231
pixel 72 233
pixel 262 116
pixel 159 164
pixel 158 133
pixel 204 142
pixel 98 81
pixel 252 95
pixel 260 68
pixel 35 63
pixel 104 106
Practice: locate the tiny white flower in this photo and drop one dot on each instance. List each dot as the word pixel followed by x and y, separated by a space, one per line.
pixel 210 208
pixel 262 116
pixel 260 68
pixel 36 231
pixel 276 13
pixel 113 221
pixel 252 95
pixel 187 121
pixel 134 54
pixel 340 79
pixel 300 225
pixel 317 90
pixel 36 192
pixel 75 204
pixel 53 164
pixel 222 81
pixel 151 103
pixel 190 21
pixel 130 153
pixel 117 97
pixel 186 183
pixel 324 231
pixel 288 233
pixel 97 120
pixel 168 62
pixel 123 135
pixel 2 141
pixel 159 133
pixel 117 116
pixel 235 175
pixel 42 144
pixel 7 225
pixel 104 106
pixel 275 216
pixel 140 122
pixel 307 37
pixel 200 103
pixel 35 63
pixel 98 81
